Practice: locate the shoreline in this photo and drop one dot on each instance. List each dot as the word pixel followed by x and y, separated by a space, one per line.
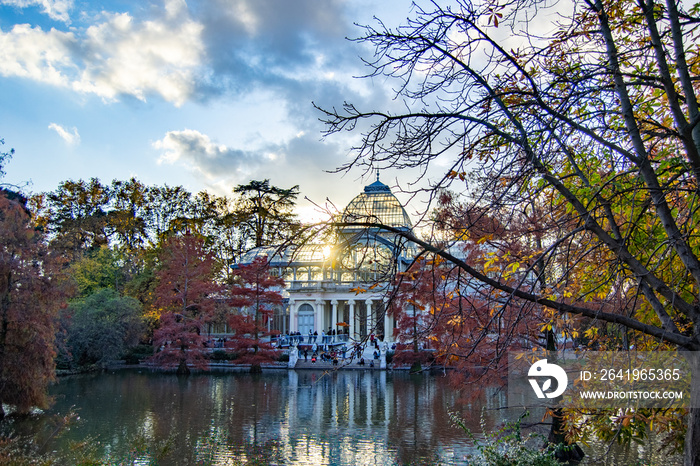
pixel 245 368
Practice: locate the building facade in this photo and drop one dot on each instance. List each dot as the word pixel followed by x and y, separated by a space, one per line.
pixel 340 286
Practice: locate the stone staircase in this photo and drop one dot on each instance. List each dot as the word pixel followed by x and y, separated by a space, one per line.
pixel 347 363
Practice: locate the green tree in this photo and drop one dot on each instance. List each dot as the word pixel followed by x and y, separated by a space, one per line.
pixel 127 216
pixel 265 212
pixel 102 327
pixel 598 119
pixel 167 211
pixel 77 216
pixel 102 268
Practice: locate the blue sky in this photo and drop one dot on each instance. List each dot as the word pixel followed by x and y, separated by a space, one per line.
pixel 207 94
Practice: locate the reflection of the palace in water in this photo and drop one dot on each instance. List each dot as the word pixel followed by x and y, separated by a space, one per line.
pixel 294 417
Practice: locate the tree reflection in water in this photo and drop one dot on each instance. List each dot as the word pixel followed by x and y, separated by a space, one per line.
pixel 280 417
pixel 345 417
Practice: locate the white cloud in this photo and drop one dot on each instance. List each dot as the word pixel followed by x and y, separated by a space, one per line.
pixel 55 9
pixel 71 138
pixel 199 153
pixel 128 57
pixel 119 56
pixel 31 53
pixel 242 13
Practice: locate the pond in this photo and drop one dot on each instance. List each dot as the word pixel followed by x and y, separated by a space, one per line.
pixel 280 417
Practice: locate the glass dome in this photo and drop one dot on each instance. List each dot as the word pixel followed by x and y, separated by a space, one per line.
pixel 377 205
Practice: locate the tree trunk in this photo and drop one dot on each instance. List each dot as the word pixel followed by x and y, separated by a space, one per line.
pixel 691 453
pixel 255 368
pixel 182 369
pixel 569 452
pixel 415 368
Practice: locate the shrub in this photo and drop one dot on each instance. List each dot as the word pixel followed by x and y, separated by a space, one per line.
pixel 405 356
pixel 101 327
pixel 138 353
pixel 507 447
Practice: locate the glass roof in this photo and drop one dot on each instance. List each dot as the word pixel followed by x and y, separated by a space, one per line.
pixel 272 253
pixel 377 205
pixel 314 253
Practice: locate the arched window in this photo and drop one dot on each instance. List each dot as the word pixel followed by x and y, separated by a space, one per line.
pixel 306 318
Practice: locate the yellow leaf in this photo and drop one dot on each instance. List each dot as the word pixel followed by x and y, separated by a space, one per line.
pixel 484 238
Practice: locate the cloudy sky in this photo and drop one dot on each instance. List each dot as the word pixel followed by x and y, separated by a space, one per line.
pixel 207 94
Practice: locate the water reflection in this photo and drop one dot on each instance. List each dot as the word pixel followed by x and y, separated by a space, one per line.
pixel 348 417
pixel 340 418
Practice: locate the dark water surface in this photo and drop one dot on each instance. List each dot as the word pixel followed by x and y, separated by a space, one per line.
pixel 280 417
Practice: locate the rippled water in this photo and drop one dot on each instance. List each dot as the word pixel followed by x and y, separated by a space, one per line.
pixel 280 417
pixel 348 417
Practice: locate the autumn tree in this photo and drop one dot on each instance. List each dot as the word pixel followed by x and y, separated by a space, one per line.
pixel 255 294
pixel 414 295
pixel 186 297
pixel 29 301
pixel 598 121
pixel 465 324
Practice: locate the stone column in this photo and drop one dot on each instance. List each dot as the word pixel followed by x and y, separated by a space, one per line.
pixel 320 308
pixel 351 318
pixel 368 303
pixel 334 316
pixel 293 316
pixel 284 321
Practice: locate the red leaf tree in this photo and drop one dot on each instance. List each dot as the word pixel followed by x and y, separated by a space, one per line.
pixel 414 307
pixel 462 323
pixel 186 296
pixel 255 293
pixel 29 303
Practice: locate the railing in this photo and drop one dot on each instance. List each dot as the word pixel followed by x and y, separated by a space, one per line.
pixel 289 340
pixel 327 285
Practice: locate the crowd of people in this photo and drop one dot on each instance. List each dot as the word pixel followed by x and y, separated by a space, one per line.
pixel 334 354
pixel 297 337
